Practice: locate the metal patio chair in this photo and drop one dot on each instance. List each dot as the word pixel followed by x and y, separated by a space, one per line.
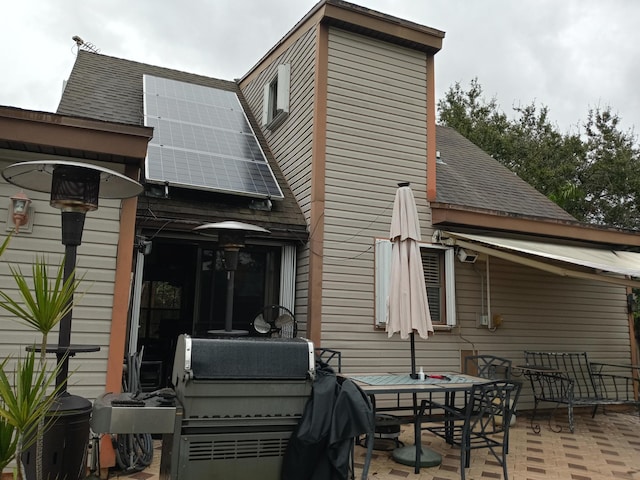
pixel 483 422
pixel 488 366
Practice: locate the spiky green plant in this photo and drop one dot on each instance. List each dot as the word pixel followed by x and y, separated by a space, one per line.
pixel 27 398
pixel 7 438
pixel 43 306
pixel 7 443
pixel 4 245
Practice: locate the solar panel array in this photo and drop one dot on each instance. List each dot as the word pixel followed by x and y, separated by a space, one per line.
pixel 203 140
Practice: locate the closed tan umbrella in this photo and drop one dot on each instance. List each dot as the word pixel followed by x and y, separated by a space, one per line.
pixel 408 306
pixel 408 303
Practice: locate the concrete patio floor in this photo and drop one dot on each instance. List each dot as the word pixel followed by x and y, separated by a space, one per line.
pixel 604 448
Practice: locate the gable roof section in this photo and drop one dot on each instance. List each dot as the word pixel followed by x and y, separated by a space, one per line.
pixel 361 20
pixel 467 176
pixel 477 193
pixel 110 89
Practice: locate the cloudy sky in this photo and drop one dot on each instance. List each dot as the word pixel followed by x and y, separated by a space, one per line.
pixel 570 55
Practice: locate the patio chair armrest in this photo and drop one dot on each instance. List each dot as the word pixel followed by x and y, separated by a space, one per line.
pixel 431 410
pixel 551 386
pixel 615 381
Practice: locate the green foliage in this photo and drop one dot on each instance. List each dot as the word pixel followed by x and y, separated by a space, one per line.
pixel 594 176
pixel 474 117
pixel 611 173
pixel 26 400
pixel 8 441
pixel 5 244
pixel 49 300
pixel 27 396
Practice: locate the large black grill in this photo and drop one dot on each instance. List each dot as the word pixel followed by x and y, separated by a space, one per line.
pixel 239 400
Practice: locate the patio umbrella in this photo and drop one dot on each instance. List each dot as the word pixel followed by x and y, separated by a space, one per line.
pixel 408 306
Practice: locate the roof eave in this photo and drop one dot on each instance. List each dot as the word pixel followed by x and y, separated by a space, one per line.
pixel 358 19
pixel 448 215
pixel 82 136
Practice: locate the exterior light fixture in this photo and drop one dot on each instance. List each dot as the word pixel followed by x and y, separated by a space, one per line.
pixel 19 212
pixel 467 256
pixel 231 238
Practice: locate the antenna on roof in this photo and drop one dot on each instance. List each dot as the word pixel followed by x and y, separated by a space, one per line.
pixel 88 46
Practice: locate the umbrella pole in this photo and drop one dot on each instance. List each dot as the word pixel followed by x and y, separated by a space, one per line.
pixel 413 374
pixel 409 454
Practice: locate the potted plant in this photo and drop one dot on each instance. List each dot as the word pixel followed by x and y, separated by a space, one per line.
pixel 28 402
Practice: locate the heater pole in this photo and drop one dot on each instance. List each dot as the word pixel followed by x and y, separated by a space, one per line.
pixel 228 319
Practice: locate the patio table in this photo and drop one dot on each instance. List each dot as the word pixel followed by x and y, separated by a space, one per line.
pixel 447 384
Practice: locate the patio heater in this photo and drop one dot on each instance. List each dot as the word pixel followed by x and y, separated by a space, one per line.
pixel 74 188
pixel 231 237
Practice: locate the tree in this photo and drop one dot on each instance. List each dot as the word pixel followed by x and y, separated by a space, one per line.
pixel 611 172
pixel 594 176
pixel 479 120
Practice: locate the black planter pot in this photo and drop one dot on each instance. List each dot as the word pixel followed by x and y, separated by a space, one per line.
pixel 65 442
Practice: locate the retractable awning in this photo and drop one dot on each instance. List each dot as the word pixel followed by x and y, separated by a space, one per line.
pixel 611 266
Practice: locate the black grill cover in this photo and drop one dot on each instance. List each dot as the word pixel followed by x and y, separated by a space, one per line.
pixel 250 358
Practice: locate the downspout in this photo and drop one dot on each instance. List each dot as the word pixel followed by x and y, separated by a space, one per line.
pixel 490 326
pixel 634 341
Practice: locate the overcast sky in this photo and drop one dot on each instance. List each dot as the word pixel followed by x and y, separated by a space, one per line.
pixel 569 55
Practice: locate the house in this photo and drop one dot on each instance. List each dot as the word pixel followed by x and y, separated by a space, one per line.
pixel 362 118
pixel 343 108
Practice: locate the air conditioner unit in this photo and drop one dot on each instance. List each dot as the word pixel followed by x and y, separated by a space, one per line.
pixel 467 257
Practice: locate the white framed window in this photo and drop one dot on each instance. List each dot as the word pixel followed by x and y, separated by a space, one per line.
pixel 275 103
pixel 439 275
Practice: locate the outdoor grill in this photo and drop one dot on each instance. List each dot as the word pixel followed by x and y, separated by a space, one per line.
pixel 238 402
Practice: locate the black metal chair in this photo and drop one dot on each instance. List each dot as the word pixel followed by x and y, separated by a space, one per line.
pixel 483 422
pixel 331 357
pixel 488 366
pixel 368 434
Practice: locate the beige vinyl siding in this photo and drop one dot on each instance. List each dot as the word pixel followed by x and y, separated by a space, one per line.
pixel 291 142
pixel 96 262
pixel 540 311
pixel 376 137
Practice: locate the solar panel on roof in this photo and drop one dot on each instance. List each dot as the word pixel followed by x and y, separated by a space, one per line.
pixel 203 140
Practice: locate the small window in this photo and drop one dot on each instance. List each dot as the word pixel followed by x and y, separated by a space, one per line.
pixel 275 106
pixel 438 265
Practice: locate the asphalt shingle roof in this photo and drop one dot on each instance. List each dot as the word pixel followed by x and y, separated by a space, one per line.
pixel 467 176
pixel 110 89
